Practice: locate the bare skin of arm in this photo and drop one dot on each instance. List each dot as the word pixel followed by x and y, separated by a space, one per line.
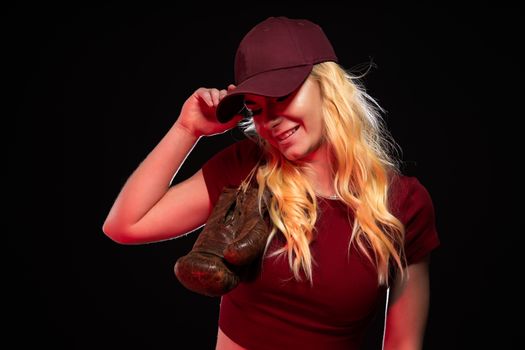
pixel 408 309
pixel 147 209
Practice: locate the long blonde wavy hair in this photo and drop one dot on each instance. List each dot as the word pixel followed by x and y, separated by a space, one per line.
pixel 362 153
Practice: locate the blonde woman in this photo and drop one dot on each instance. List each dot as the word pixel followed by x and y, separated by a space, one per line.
pixel 348 228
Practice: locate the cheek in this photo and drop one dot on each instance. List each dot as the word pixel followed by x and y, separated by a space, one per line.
pixel 313 126
pixel 319 127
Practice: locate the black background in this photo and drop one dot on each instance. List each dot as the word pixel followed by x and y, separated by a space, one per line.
pixel 93 90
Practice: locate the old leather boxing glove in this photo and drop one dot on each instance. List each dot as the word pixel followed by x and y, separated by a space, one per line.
pixel 250 237
pixel 234 236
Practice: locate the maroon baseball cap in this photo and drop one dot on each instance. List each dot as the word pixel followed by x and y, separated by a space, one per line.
pixel 273 59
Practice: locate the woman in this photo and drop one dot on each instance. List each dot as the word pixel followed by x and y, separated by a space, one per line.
pixel 347 225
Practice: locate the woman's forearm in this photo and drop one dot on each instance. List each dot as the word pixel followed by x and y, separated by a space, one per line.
pixel 151 180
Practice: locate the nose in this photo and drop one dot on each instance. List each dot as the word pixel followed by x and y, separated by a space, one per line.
pixel 272 118
pixel 272 122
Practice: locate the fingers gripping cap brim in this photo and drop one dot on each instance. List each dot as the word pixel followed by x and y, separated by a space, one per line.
pixel 274 83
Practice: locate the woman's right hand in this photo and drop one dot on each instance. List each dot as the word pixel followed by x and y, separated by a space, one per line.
pixel 198 112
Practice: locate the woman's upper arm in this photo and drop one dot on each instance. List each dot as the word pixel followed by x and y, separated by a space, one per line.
pixel 408 309
pixel 184 208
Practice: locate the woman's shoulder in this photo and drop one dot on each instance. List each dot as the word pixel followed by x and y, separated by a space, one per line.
pixel 230 166
pixel 247 148
pixel 235 161
pixel 244 153
pixel 240 151
pixel 407 192
pixel 413 206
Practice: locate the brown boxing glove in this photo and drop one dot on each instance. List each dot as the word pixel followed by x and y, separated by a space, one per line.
pixel 250 237
pixel 233 238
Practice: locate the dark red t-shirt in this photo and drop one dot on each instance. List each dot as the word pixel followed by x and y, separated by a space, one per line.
pixel 274 311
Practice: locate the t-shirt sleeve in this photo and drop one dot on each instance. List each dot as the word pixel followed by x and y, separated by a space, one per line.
pixel 229 167
pixel 412 204
pixel 421 236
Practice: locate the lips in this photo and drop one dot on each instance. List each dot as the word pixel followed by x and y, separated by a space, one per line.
pixel 285 136
pixel 279 136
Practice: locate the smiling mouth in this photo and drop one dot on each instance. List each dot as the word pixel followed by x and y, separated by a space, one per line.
pixel 287 134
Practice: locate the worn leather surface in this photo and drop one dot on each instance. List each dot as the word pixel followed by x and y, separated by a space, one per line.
pixel 230 245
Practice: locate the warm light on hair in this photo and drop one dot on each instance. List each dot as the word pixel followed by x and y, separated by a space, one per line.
pixel 362 153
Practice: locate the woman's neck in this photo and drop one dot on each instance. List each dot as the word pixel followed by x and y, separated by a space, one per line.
pixel 320 175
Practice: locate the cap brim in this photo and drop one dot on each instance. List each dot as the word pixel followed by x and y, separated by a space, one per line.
pixel 274 83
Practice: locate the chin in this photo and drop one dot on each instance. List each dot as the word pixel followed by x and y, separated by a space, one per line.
pixel 310 151
pixel 295 153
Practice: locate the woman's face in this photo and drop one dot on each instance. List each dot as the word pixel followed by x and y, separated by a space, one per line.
pixel 300 112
